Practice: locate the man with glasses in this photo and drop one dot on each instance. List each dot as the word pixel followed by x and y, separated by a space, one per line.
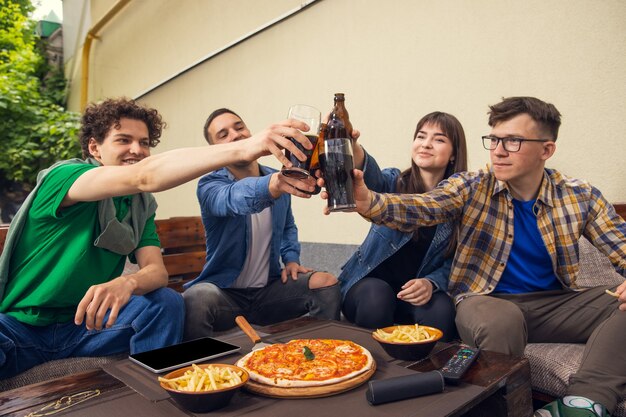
pixel 515 268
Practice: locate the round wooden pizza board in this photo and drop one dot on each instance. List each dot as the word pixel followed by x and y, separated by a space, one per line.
pixel 310 392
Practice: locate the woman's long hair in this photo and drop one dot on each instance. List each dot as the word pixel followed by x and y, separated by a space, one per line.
pixel 410 180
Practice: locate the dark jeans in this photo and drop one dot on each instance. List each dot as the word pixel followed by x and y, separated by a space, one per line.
pixel 372 303
pixel 210 308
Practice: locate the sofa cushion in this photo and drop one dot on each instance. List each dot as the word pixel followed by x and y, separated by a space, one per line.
pixel 552 364
pixel 328 257
pixel 595 267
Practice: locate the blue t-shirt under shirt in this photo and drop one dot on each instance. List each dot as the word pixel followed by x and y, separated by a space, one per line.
pixel 529 267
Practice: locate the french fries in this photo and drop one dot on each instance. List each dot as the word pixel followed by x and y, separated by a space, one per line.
pixel 405 334
pixel 210 378
pixel 611 293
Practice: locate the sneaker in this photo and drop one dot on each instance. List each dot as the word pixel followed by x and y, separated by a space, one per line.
pixel 572 406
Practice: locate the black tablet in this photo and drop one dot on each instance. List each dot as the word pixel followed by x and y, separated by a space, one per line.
pixel 175 356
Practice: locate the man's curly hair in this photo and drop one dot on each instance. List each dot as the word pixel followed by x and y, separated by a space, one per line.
pixel 100 118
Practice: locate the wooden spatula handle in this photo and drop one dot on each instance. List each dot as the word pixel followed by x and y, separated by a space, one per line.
pixel 247 329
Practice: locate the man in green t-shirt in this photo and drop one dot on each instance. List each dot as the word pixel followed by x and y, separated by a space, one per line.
pixel 62 292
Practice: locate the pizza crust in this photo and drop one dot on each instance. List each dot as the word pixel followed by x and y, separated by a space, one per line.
pixel 287 383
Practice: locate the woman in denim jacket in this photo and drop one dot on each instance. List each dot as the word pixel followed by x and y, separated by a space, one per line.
pixel 397 277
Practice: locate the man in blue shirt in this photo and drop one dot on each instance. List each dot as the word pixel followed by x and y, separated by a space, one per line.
pixel 246 212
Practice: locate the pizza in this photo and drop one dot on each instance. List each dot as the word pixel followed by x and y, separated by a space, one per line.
pixel 307 362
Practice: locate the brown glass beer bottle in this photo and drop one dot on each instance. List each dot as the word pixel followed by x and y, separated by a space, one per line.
pixel 336 158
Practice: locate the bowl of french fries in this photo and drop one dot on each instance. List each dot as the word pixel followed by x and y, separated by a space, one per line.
pixel 205 387
pixel 408 342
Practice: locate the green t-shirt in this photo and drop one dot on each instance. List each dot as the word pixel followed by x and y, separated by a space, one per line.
pixel 55 261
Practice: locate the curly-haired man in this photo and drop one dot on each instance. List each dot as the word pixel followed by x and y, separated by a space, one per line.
pixel 62 292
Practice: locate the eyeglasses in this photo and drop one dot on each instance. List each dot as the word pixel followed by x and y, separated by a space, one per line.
pixel 509 144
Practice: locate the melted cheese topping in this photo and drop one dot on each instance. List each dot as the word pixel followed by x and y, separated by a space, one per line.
pixel 286 364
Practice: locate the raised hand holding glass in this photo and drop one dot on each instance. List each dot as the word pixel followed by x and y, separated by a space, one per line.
pixel 311 116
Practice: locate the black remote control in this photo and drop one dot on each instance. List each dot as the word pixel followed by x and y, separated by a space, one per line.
pixel 458 364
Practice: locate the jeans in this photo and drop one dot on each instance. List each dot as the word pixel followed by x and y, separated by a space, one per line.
pixel 372 303
pixel 210 308
pixel 147 322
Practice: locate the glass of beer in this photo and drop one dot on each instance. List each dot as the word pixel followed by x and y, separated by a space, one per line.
pixel 311 116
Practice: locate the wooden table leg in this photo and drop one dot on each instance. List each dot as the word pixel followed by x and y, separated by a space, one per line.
pixel 513 399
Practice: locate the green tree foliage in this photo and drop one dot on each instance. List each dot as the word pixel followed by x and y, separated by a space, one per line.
pixel 35 128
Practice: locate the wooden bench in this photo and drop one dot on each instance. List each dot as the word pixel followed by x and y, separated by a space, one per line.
pixel 620 208
pixel 183 248
pixel 4 229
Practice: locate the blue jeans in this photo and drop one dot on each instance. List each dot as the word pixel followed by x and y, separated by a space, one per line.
pixel 147 322
pixel 211 308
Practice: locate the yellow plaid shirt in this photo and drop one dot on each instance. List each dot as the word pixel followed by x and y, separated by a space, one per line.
pixel 566 209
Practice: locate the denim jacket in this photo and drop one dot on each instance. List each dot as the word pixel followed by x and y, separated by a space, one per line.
pixel 226 205
pixel 382 242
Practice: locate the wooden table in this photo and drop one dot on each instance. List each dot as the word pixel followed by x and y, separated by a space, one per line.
pixel 506 380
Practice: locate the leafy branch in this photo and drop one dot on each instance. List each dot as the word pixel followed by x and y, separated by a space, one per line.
pixel 35 128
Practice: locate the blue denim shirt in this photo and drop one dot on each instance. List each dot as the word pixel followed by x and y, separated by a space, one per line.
pixel 382 242
pixel 226 205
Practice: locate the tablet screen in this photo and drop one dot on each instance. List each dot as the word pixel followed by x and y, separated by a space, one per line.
pixel 186 353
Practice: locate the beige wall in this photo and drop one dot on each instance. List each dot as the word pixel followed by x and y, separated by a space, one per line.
pixel 395 60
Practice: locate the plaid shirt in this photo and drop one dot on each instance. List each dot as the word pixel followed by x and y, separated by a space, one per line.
pixel 566 209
